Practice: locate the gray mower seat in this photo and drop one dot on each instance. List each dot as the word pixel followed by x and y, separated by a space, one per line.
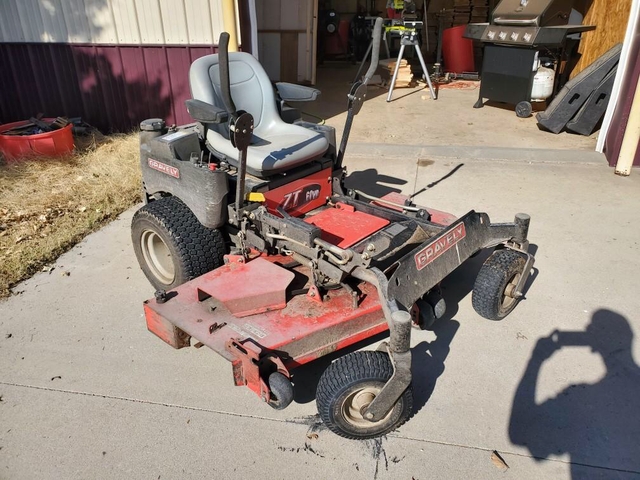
pixel 276 146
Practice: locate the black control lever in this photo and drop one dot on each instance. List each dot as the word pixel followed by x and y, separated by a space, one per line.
pixel 358 93
pixel 240 123
pixel 225 82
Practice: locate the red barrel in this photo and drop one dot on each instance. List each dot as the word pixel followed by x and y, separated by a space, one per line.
pixel 56 142
pixel 457 51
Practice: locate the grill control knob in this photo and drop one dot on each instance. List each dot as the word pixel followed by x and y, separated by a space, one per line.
pixel 491 35
pixel 526 37
pixel 502 35
pixel 514 36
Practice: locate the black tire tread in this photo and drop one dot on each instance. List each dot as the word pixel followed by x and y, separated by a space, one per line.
pixel 200 249
pixel 490 282
pixel 361 365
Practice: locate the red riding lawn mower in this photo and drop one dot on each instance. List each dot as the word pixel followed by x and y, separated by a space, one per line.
pixel 258 251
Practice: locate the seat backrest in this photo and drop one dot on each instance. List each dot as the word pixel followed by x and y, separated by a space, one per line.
pixel 251 88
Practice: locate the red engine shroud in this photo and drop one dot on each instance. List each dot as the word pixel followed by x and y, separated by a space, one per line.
pixel 301 196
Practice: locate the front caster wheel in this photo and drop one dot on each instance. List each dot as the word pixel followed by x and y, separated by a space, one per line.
pixel 282 391
pixel 493 293
pixel 427 310
pixel 347 388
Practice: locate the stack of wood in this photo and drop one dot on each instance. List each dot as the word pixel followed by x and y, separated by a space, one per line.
pixel 470 11
pixel 461 12
pixel 479 11
pixel 405 77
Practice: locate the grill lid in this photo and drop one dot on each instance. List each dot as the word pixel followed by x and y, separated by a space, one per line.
pixel 539 13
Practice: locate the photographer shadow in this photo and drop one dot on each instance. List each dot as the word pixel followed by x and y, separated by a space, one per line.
pixel 596 424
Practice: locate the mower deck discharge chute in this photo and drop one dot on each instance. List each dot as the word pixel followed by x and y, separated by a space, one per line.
pixel 258 252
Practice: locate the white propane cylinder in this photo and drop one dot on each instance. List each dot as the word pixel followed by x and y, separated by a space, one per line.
pixel 543 84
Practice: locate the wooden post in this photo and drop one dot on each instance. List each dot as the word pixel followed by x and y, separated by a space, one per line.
pixel 229 19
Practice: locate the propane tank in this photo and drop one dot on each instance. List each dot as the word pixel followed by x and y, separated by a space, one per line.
pixel 543 84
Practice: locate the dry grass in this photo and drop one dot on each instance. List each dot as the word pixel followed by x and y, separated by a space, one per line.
pixel 48 205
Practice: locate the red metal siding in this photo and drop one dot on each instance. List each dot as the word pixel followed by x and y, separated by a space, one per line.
pixel 615 136
pixel 110 87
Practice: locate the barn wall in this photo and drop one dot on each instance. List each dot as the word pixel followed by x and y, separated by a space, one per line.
pixel 112 62
pixel 158 22
pixel 111 87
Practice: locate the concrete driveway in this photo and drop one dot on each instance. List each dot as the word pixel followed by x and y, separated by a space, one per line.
pixel 87 392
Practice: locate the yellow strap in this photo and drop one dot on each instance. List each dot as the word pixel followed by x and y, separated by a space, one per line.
pixel 398 28
pixel 255 197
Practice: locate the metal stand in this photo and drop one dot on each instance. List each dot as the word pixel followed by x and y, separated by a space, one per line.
pixel 410 38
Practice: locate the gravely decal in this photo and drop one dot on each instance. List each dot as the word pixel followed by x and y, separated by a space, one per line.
pixel 429 253
pixel 164 168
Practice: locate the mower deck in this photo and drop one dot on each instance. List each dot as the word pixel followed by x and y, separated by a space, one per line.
pixel 304 329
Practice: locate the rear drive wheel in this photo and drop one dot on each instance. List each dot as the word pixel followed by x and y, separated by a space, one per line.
pixel 493 293
pixel 349 385
pixel 172 246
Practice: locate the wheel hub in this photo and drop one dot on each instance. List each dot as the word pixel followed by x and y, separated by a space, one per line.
pixel 356 404
pixel 509 292
pixel 157 256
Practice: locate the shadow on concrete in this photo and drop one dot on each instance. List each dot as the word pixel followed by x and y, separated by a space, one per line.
pixel 427 362
pixel 436 182
pixel 596 424
pixel 420 88
pixel 373 183
pixel 428 357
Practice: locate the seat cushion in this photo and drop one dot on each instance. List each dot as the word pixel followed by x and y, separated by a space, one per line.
pixel 276 145
pixel 279 147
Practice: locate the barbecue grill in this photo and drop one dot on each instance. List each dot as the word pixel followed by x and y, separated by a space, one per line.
pixel 522 36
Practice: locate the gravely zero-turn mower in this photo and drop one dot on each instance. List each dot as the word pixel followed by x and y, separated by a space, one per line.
pixel 258 251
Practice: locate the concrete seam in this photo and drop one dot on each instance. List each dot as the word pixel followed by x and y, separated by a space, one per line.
pixel 293 421
pixel 136 400
pixel 515 454
pixel 524 161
